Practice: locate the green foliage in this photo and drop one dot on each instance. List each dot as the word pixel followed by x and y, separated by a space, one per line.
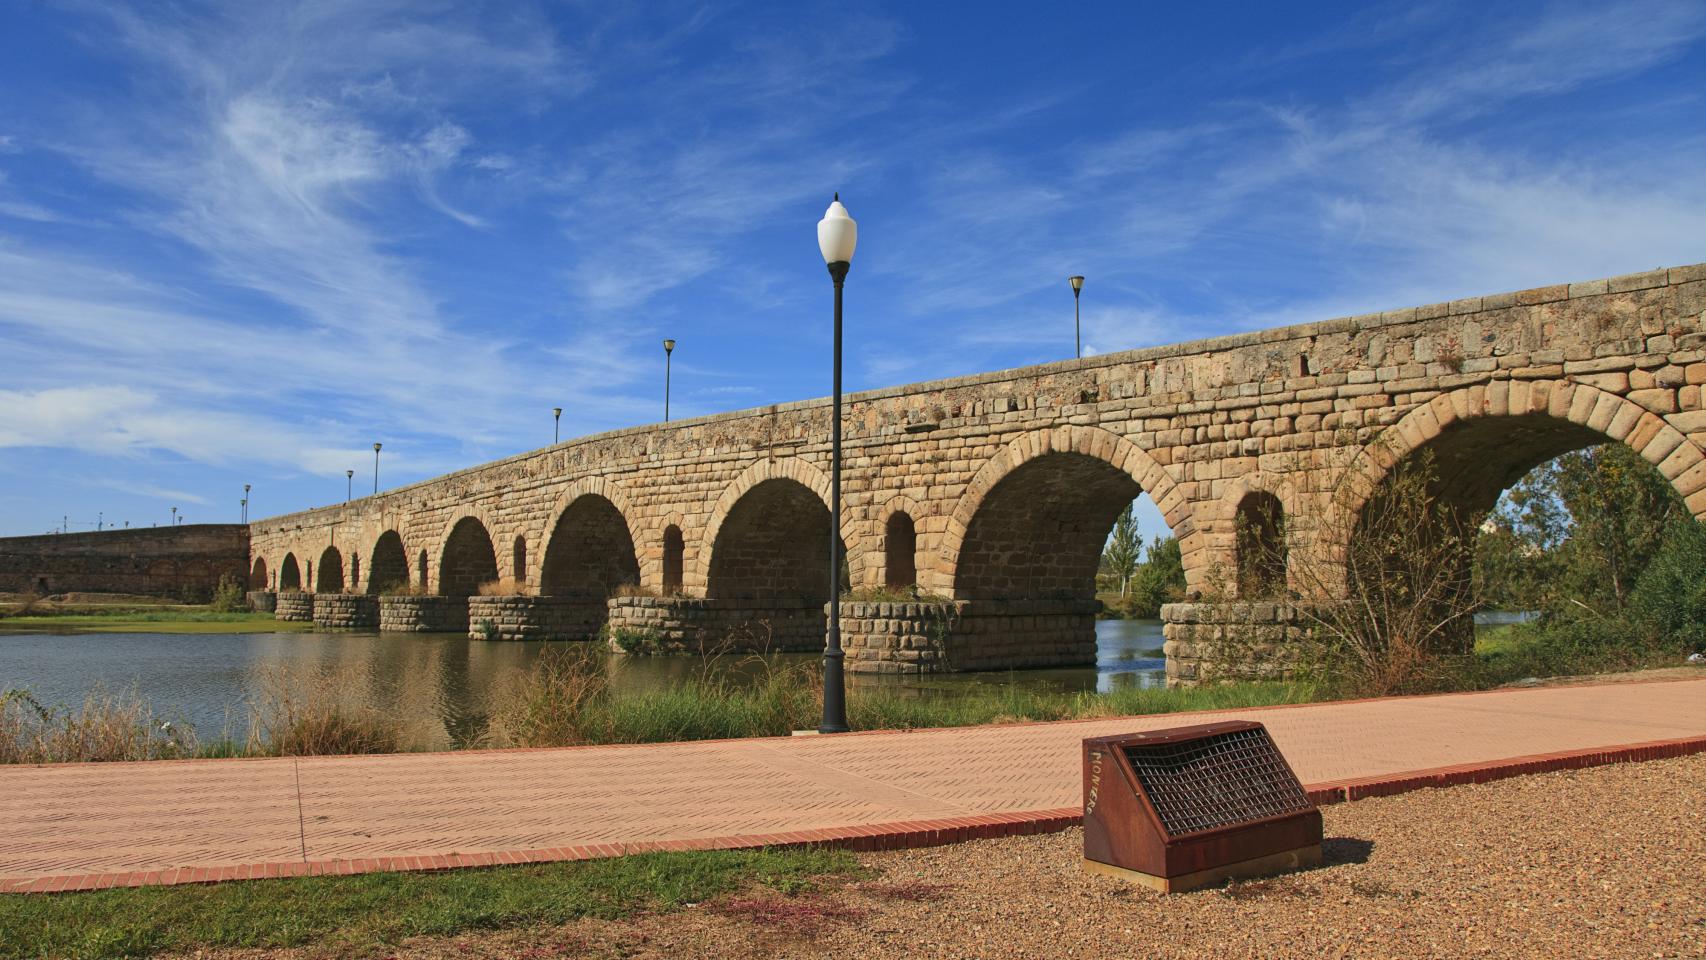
pixel 229 596
pixel 1670 596
pixel 1574 535
pixel 634 641
pixel 1160 579
pixel 362 914
pixel 1120 556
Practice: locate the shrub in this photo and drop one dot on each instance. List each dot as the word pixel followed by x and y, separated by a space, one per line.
pixel 634 641
pixel 306 713
pixel 108 727
pixel 1670 595
pixel 504 587
pixel 229 596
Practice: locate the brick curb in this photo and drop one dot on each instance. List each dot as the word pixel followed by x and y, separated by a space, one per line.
pixel 884 836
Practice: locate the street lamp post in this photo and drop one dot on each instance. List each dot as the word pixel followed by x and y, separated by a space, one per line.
pixel 836 236
pixel 1077 336
pixel 349 485
pixel 245 503
pixel 668 349
pixel 376 469
pixel 174 516
pixel 557 427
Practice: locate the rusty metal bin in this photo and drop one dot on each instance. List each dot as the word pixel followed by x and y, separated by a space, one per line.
pixel 1190 807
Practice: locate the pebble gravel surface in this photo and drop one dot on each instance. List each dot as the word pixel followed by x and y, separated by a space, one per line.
pixel 1607 862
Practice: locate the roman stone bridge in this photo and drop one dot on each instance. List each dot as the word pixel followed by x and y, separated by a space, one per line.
pixel 994 494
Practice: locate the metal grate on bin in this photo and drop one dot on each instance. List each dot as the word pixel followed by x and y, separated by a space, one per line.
pixel 1213 781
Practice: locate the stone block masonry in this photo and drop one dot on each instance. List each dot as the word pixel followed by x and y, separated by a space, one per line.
pixel 535 618
pixel 294 606
pixel 1002 487
pixel 184 562
pixel 346 611
pixel 698 625
pixel 411 614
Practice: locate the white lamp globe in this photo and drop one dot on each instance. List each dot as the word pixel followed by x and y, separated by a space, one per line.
pixel 837 233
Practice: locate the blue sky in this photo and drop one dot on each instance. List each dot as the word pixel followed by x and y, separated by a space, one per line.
pixel 241 242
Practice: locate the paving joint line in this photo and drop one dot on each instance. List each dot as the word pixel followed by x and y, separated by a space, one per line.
pixel 301 815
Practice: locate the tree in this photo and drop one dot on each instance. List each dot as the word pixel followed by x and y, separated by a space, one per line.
pixel 1119 557
pixel 1160 579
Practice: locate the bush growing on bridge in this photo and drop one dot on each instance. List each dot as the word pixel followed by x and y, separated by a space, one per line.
pixel 229 596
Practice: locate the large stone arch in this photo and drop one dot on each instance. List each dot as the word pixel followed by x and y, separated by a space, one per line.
pixel 590 549
pixel 1501 430
pixel 467 554
pixel 258 574
pixel 329 574
pixel 289 572
pixel 388 563
pixel 1114 456
pixel 790 469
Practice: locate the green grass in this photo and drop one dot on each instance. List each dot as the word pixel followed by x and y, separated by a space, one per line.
pixel 366 913
pixel 179 620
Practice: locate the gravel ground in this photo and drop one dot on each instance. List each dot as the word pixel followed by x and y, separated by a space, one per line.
pixel 1609 862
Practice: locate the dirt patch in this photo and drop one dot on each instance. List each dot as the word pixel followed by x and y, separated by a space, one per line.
pixel 1604 862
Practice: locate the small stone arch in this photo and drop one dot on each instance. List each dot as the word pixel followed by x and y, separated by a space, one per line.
pixel 258 574
pixel 289 573
pixel 789 468
pixel 518 559
pixel 897 543
pixel 674 560
pixel 1093 443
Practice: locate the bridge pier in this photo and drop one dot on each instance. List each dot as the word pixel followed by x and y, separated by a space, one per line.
pixel 715 625
pixel 423 614
pixel 294 605
pixel 535 618
pixel 346 611
pixel 1209 642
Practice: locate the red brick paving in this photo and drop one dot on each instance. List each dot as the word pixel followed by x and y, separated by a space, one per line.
pixel 86 826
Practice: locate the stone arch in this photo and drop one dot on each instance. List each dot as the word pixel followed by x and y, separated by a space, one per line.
pixel 1085 477
pixel 589 550
pixel 289 573
pixel 331 577
pixel 1259 549
pixel 421 564
pixel 1489 435
pixel 899 545
pixel 389 566
pixel 258 574
pixel 791 469
pixel 518 559
pixel 466 557
pixel 770 534
pixel 674 559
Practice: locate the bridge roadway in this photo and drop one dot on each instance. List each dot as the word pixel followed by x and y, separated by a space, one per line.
pixel 86 826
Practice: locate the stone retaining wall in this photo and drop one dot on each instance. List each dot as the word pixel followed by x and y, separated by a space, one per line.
pixel 535 618
pixel 1232 641
pixel 346 611
pixel 263 601
pixel 908 637
pixel 294 605
pixel 695 624
pixel 403 614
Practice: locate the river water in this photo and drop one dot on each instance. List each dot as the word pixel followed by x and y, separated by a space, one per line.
pixel 440 684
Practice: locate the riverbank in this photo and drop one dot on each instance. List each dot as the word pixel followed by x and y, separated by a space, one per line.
pixel 191 620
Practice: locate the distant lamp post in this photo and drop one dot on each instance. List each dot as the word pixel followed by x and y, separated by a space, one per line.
pixel 376 468
pixel 174 516
pixel 836 236
pixel 1077 336
pixel 100 520
pixel 245 503
pixel 557 428
pixel 349 485
pixel 668 349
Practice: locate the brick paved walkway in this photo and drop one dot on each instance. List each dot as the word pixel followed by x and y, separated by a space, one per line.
pixel 77 826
